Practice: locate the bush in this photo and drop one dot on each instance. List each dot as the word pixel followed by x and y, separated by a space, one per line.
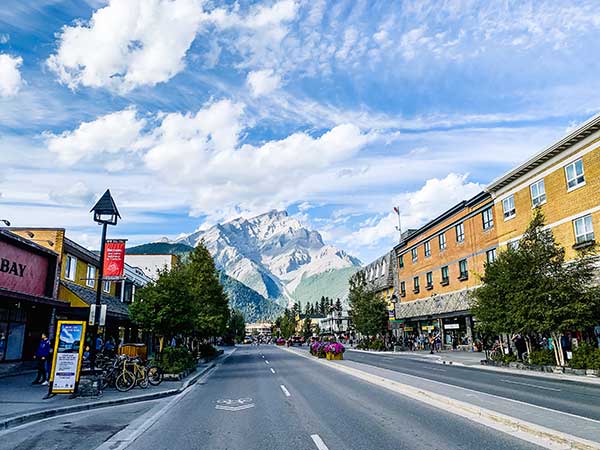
pixel 176 360
pixel 207 351
pixel 377 345
pixel 585 357
pixel 543 357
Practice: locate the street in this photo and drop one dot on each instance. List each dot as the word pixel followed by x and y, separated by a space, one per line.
pixel 266 398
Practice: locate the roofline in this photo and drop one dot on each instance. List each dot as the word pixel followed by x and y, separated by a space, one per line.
pixel 27 242
pixel 475 200
pixel 590 126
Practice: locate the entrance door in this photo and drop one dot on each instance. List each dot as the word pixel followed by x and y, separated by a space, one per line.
pixel 14 347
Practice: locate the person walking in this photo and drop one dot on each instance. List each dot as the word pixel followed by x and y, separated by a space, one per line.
pixel 41 355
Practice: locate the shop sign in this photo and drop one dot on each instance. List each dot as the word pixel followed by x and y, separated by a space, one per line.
pixel 114 259
pixel 427 328
pixel 451 326
pixel 408 328
pixel 68 353
pixel 22 270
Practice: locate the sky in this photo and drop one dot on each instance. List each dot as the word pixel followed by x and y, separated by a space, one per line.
pixel 197 112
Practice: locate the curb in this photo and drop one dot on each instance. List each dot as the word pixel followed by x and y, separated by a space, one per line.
pixel 521 429
pixel 32 417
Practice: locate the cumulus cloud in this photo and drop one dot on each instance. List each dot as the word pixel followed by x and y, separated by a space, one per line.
pixel 74 194
pixel 10 76
pixel 263 82
pixel 112 133
pixel 416 208
pixel 127 44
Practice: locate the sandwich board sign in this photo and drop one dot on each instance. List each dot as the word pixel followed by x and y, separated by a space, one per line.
pixel 68 354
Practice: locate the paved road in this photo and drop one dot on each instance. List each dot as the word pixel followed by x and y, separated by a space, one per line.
pixel 297 405
pixel 566 396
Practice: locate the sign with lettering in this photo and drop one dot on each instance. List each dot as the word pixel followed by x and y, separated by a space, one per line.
pixel 114 258
pixel 22 270
pixel 68 353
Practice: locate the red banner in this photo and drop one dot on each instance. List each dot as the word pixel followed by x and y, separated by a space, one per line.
pixel 114 258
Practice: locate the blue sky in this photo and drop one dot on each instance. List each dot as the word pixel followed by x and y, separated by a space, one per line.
pixel 195 112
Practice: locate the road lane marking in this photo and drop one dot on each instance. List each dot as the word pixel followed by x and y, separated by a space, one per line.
pixel 272 370
pixel 438 370
pixel 531 385
pixel 285 391
pixel 266 361
pixel 263 356
pixel 319 442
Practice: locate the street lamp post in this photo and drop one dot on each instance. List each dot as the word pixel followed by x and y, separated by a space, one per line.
pixel 105 213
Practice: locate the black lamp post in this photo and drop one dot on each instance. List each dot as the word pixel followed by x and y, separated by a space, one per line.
pixel 105 213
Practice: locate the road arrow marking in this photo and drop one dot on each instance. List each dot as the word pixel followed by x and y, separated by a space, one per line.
pixel 234 408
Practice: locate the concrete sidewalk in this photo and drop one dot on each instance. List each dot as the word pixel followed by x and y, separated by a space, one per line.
pixel 23 402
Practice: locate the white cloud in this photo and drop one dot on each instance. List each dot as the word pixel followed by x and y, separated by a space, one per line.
pixel 416 208
pixel 74 194
pixel 263 82
pixel 113 133
pixel 127 44
pixel 10 77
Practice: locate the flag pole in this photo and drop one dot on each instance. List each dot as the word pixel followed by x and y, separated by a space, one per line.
pixel 399 227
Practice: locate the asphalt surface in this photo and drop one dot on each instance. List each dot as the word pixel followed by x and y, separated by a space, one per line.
pixel 580 399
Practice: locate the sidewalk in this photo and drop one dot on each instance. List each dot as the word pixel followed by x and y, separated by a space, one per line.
pixel 22 402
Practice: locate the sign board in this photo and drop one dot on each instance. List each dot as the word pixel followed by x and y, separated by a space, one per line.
pixel 102 320
pixel 427 328
pixel 451 326
pixel 92 317
pixel 22 270
pixel 114 259
pixel 68 353
pixel 408 328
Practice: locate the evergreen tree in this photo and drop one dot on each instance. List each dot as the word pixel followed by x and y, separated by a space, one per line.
pixel 368 311
pixel 322 306
pixel 307 328
pixel 236 326
pixel 338 305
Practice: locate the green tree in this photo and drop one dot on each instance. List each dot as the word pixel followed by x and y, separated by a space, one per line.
pixel 236 326
pixel 307 328
pixel 368 311
pixel 287 324
pixel 338 306
pixel 533 289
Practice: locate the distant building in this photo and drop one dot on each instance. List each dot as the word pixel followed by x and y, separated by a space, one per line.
pixel 261 328
pixel 152 264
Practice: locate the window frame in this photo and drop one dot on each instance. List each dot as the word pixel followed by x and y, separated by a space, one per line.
pixel 414 253
pixel 106 286
pixel 416 285
pixel 576 177
pixel 489 223
pixel 90 278
pixel 403 288
pixel 445 280
pixel 443 244
pixel 511 213
pixel 534 199
pixel 460 237
pixel 70 263
pixel 587 233
pixel 427 248
pixel 463 275
pixel 429 280
pixel 401 262
pixel 491 251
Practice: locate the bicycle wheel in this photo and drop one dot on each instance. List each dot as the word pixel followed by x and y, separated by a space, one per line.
pixel 155 375
pixel 142 379
pixel 125 381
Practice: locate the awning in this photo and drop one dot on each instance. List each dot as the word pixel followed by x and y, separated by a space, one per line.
pixel 114 306
pixel 439 306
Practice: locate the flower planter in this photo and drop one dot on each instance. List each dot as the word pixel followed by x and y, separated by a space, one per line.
pixel 335 357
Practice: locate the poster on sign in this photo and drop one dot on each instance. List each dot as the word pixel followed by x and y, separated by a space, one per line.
pixel 114 259
pixel 68 353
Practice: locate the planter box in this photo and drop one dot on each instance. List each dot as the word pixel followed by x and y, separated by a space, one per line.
pixel 579 371
pixel 322 356
pixel 334 357
pixel 591 372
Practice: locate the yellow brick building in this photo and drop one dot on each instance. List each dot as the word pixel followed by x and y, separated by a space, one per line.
pixel 564 181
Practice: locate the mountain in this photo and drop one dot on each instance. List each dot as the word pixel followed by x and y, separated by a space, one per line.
pixel 275 256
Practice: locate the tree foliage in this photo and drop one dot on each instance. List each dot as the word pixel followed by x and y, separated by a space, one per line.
pixel 533 289
pixel 187 300
pixel 368 311
pixel 236 326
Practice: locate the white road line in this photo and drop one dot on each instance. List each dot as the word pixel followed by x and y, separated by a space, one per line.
pixel 285 391
pixel 266 361
pixel 263 356
pixel 319 442
pixel 272 370
pixel 439 370
pixel 531 385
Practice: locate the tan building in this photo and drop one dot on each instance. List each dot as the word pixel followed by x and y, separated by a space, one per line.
pixel 439 264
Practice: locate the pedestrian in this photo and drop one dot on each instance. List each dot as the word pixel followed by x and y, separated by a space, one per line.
pixel 41 355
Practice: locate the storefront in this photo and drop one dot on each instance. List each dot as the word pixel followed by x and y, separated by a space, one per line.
pixel 28 285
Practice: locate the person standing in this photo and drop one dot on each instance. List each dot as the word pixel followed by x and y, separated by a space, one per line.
pixel 41 355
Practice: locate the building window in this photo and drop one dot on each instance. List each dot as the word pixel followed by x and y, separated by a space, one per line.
pixel 416 285
pixel 584 229
pixel 427 248
pixel 106 286
pixel 462 267
pixel 70 267
pixel 538 193
pixel 445 277
pixel 491 255
pixel 508 206
pixel 429 277
pixel 415 254
pixel 403 288
pixel 575 175
pixel 401 261
pixel 90 278
pixel 442 240
pixel 488 219
pixel 460 232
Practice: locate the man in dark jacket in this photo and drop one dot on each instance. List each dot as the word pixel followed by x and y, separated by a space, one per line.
pixel 41 355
